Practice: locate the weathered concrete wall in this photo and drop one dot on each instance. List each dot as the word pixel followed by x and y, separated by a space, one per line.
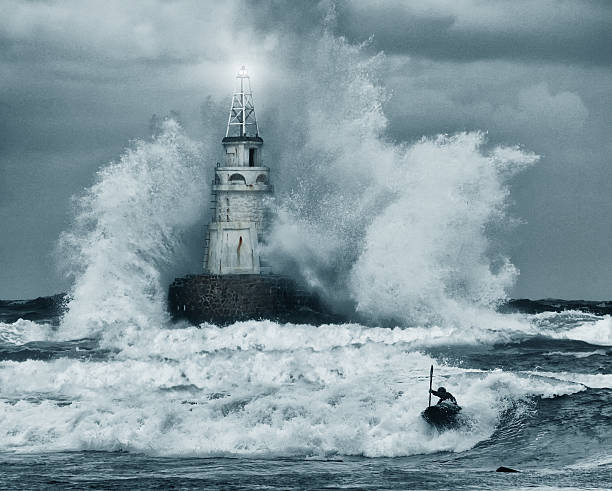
pixel 255 178
pixel 235 206
pixel 223 299
pixel 233 248
pixel 237 151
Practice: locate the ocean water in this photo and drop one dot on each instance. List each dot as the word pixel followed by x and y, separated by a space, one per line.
pixel 265 405
pixel 105 390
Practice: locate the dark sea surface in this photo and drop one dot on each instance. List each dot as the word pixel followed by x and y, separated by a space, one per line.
pixel 261 405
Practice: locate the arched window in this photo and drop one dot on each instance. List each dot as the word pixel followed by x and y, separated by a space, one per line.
pixel 261 179
pixel 237 179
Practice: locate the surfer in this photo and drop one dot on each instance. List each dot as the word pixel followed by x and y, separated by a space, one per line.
pixel 444 395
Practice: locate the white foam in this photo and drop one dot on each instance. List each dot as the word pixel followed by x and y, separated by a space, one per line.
pixel 577 354
pixel 597 333
pixel 573 325
pixel 269 336
pixel 593 381
pixel 592 461
pixel 24 331
pixel 274 390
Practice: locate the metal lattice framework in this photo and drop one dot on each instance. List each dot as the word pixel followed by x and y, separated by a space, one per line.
pixel 242 121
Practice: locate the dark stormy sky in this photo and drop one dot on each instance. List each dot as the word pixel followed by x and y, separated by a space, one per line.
pixel 80 79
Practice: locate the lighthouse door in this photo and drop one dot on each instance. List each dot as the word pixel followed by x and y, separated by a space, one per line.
pixel 237 256
pixel 251 157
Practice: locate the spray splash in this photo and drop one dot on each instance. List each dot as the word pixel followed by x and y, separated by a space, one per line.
pixel 398 231
pixel 127 229
pixel 428 252
pixel 401 230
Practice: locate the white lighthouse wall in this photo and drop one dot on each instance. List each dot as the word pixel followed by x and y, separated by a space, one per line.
pixel 237 154
pixel 240 189
pixel 240 207
pixel 252 175
pixel 233 248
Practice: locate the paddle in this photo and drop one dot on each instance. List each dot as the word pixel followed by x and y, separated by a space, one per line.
pixel 430 379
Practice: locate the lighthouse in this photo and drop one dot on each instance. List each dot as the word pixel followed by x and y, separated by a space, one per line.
pixel 240 189
pixel 236 283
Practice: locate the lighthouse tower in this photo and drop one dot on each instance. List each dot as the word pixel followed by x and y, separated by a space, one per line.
pixel 232 286
pixel 240 188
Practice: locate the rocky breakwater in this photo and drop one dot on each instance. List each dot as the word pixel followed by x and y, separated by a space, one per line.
pixel 223 299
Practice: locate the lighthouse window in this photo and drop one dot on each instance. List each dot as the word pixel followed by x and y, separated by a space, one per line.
pixel 237 179
pixel 261 179
pixel 251 157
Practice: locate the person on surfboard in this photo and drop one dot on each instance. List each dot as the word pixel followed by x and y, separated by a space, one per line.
pixel 443 395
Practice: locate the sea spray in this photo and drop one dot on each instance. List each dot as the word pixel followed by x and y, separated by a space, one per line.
pixel 427 256
pixel 330 169
pixel 400 230
pixel 127 229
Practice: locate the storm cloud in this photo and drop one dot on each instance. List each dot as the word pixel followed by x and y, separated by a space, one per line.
pixel 565 31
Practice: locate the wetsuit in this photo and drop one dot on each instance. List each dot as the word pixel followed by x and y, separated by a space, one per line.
pixel 444 396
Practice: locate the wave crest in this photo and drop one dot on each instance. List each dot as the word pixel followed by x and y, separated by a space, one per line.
pixel 127 228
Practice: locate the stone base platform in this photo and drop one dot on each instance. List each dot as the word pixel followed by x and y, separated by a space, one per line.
pixel 223 299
